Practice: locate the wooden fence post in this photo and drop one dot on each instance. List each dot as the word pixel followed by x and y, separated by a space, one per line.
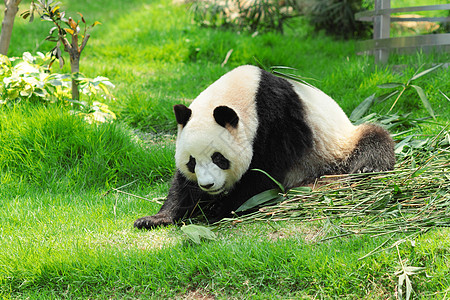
pixel 381 29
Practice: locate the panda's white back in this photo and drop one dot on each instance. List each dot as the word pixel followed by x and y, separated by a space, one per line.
pixel 334 134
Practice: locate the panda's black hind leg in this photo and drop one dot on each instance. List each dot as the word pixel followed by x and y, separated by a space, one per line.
pixel 374 151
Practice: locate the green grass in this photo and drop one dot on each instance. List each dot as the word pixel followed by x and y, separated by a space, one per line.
pixel 100 255
pixel 49 148
pixel 63 236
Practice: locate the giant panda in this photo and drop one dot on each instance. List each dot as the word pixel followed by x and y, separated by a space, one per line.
pixel 251 119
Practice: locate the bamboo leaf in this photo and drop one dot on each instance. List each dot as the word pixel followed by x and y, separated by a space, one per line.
pixel 293 77
pixel 409 288
pixel 385 97
pixel 195 233
pixel 362 108
pixel 57 52
pixel 401 279
pixel 425 72
pixel 104 88
pixel 399 146
pixel 259 199
pixel 280 186
pixel 418 172
pixel 282 67
pixel 445 96
pixel 390 85
pixel 300 190
pixel 424 99
pixel 51 39
pixel 52 30
pixel 419 144
pixel 32 8
pixel 413 270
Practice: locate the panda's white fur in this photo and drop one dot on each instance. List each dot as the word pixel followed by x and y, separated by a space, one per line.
pixel 252 119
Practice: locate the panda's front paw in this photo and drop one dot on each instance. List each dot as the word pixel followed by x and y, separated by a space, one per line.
pixel 150 222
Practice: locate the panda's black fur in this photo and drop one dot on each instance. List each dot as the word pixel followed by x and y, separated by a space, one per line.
pixel 281 116
pixel 283 138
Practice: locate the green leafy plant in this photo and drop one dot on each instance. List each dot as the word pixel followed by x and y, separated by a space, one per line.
pixel 97 112
pixel 337 18
pixel 358 113
pixel 260 15
pixel 64 27
pixel 28 79
pixel 404 277
pixel 402 87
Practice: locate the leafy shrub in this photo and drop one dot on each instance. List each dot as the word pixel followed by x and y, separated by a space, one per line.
pixel 28 79
pixel 337 18
pixel 252 15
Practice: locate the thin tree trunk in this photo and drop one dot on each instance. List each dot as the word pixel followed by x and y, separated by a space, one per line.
pixel 11 9
pixel 74 52
pixel 74 66
pixel 75 69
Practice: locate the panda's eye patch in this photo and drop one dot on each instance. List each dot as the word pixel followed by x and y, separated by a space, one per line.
pixel 191 164
pixel 220 161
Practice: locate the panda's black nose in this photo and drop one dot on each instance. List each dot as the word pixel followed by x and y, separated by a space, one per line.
pixel 206 186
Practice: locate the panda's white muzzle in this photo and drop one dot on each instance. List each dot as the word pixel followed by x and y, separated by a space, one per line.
pixel 210 178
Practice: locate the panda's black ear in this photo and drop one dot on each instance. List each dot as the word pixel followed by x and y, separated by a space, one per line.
pixel 225 115
pixel 182 114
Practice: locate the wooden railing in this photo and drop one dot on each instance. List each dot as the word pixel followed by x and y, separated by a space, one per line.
pixel 382 44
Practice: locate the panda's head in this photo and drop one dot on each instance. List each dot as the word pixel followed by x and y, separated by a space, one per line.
pixel 212 154
pixel 216 132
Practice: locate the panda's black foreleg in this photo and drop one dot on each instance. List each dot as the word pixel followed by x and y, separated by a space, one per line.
pixel 181 201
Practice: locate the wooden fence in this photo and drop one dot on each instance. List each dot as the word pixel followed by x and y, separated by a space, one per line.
pixel 382 44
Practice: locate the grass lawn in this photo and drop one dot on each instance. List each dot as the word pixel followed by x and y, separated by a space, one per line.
pixel 66 233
